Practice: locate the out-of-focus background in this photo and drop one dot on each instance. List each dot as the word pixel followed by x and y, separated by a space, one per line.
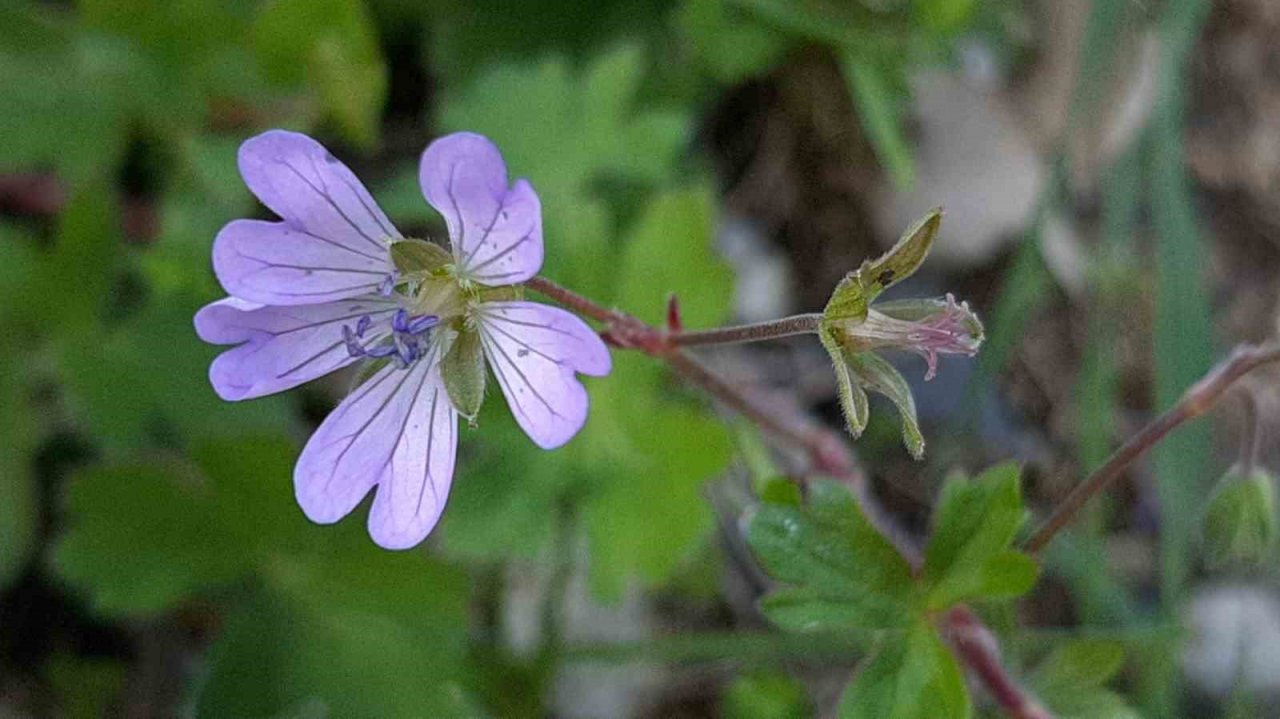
pixel 1110 172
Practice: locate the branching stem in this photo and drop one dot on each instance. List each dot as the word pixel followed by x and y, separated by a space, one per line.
pixel 1194 402
pixel 827 453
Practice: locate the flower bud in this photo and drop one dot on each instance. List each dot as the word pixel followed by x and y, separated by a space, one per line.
pixel 1240 522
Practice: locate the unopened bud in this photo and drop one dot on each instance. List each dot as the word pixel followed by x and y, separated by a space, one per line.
pixel 1240 522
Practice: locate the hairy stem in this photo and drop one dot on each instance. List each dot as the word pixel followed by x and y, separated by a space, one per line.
pixel 756 332
pixel 1194 402
pixel 827 453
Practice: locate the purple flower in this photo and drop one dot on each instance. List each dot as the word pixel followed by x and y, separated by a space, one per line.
pixel 321 289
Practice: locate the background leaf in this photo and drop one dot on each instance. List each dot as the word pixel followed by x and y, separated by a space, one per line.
pixel 331 47
pixel 845 573
pixel 968 555
pixel 912 678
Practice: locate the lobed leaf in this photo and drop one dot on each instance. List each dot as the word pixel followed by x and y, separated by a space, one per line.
pixel 1071 681
pixel 968 556
pixel 845 573
pixel 911 677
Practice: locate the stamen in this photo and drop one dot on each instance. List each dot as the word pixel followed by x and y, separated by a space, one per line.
pixel 400 321
pixel 362 325
pixel 353 347
pixel 406 350
pixel 380 351
pixel 422 323
pixel 388 284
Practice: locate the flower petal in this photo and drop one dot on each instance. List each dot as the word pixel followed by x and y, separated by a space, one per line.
pixel 535 350
pixel 326 210
pixel 393 431
pixel 278 263
pixel 282 346
pixel 496 231
pixel 412 493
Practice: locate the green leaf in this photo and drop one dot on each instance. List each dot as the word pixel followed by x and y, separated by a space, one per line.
pixel 846 574
pixel 529 110
pixel 1070 681
pixel 643 525
pixel 1079 664
pixel 914 677
pixel 968 555
pixel 66 101
pixel 766 696
pixel 165 546
pixel 1183 341
pixel 366 634
pixel 18 510
pixel 463 371
pixel 471 35
pixel 135 394
pixel 86 686
pixel 878 109
pixel 668 251
pixel 144 535
pixel 730 44
pixel 944 16
pixel 78 274
pixel 331 46
pixel 855 293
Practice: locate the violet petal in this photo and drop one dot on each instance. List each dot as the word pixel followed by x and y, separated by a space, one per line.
pixel 397 431
pixel 281 347
pixel 534 351
pixel 495 230
pixel 276 263
pixel 328 212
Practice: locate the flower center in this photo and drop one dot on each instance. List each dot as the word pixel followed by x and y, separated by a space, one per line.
pixel 410 337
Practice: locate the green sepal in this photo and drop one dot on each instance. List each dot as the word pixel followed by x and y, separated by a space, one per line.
pixel 859 288
pixel 969 555
pixel 418 258
pixel 463 373
pixel 874 373
pixel 1240 522
pixel 853 400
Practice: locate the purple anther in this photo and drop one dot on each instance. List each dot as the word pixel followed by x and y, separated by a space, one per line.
pixel 353 347
pixel 362 325
pixel 388 285
pixel 400 321
pixel 422 323
pixel 406 351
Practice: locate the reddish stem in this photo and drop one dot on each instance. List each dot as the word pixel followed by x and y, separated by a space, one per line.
pixel 977 648
pixel 1194 402
pixel 828 454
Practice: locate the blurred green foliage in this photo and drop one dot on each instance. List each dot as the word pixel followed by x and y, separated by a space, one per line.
pixel 128 487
